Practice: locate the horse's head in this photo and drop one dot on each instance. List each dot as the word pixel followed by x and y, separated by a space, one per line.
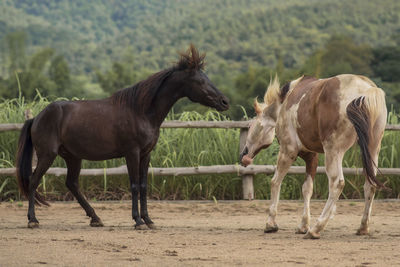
pixel 262 128
pixel 196 85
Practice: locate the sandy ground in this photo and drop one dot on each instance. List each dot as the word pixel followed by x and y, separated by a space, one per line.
pixel 194 233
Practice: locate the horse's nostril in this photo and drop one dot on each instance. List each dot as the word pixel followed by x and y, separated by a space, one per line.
pixel 223 103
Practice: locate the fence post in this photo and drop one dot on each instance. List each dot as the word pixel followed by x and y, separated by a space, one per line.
pixel 247 180
pixel 28 115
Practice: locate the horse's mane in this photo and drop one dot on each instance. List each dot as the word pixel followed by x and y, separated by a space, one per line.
pixel 142 94
pixel 275 92
pixel 191 60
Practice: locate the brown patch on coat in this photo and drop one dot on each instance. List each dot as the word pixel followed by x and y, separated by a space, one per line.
pixel 301 88
pixel 311 160
pixel 318 113
pixel 328 108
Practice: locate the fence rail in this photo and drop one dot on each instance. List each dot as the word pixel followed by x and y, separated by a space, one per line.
pixel 201 170
pixel 185 124
pixel 247 173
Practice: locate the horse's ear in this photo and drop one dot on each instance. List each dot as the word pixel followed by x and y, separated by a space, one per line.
pixel 257 107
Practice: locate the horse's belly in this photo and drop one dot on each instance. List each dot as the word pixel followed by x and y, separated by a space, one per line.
pixel 94 152
pixel 310 141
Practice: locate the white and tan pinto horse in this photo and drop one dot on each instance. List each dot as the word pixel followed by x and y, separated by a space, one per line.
pixel 311 116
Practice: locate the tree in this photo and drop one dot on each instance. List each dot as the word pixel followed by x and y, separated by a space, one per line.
pixel 386 63
pixel 340 55
pixel 16 42
pixel 120 76
pixel 248 86
pixel 343 55
pixel 32 77
pixel 59 73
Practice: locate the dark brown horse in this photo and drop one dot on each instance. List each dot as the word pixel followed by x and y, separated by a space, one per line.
pixel 127 124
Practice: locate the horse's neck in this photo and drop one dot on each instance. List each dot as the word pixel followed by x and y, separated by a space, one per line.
pixel 163 102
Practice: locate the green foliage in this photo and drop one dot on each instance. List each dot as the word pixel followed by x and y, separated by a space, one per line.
pixel 120 76
pixel 340 55
pixel 249 85
pixel 386 66
pixel 16 50
pixel 97 41
pixel 59 73
pixel 386 63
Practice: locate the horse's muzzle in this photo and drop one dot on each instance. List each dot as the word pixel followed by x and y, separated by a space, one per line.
pixel 243 158
pixel 223 104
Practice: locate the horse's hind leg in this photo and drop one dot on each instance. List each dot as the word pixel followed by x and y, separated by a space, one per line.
pixel 43 164
pixel 72 182
pixel 369 193
pixel 311 160
pixel 333 165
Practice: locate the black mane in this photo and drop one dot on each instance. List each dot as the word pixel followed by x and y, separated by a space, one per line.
pixel 283 92
pixel 141 95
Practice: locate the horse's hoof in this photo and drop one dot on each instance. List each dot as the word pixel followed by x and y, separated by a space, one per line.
pixel 271 229
pixel 33 225
pixel 141 227
pixel 363 231
pixel 152 226
pixel 311 235
pixel 96 223
pixel 302 230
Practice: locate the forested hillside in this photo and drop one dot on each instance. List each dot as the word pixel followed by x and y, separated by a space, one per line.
pixel 92 48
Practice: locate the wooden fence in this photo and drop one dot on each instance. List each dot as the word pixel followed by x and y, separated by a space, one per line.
pixel 247 173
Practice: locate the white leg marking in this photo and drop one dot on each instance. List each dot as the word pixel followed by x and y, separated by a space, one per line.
pixel 307 190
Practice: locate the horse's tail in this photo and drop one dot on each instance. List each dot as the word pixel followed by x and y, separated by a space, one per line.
pixel 24 162
pixel 363 112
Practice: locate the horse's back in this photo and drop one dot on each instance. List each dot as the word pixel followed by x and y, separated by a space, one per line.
pixel 83 129
pixel 316 109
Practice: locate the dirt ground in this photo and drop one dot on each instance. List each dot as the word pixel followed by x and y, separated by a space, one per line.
pixel 197 233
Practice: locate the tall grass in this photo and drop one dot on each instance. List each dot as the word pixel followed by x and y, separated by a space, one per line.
pixel 190 147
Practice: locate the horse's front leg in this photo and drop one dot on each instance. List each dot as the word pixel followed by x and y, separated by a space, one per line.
pixel 284 163
pixel 311 160
pixel 144 167
pixel 133 164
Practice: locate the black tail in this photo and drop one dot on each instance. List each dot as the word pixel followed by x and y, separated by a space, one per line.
pixel 359 115
pixel 24 162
